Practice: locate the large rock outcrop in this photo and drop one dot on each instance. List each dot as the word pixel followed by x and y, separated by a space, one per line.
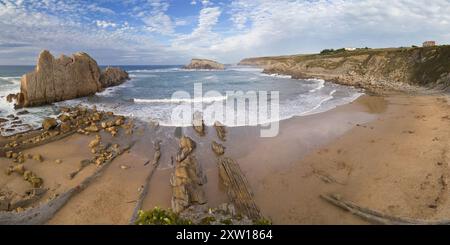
pixel 112 77
pixel 378 70
pixel 204 64
pixel 65 78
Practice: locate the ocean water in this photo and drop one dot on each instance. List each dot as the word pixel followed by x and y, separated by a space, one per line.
pixel 148 95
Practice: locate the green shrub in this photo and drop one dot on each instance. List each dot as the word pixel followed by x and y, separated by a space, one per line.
pixel 158 216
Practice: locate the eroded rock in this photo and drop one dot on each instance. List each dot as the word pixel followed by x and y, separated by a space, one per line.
pixel 217 148
pixel 220 130
pixel 49 123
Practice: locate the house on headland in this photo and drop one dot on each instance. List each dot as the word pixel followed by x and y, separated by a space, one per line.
pixel 429 44
pixel 349 49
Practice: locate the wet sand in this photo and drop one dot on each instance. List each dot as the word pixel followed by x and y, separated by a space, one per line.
pixel 388 153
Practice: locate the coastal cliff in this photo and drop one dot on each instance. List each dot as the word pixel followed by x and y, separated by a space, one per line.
pixel 204 64
pixel 377 70
pixel 64 78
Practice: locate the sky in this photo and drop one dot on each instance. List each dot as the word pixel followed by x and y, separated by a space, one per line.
pixel 145 32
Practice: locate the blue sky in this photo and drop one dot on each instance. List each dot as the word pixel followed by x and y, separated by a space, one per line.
pixel 174 31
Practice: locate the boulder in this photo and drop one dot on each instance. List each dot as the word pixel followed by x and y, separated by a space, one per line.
pixel 204 64
pixel 49 123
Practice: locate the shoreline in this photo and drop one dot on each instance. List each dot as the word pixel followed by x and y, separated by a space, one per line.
pixel 273 166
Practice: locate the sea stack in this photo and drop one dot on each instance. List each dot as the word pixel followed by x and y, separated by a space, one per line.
pixel 204 64
pixel 65 78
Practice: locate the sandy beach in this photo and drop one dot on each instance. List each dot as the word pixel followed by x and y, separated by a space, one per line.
pixel 388 153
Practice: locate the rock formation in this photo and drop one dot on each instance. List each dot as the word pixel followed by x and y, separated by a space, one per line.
pixel 112 77
pixel 64 78
pixel 204 64
pixel 188 179
pixel 377 70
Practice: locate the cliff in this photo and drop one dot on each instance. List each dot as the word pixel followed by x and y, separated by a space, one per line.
pixel 64 78
pixel 377 70
pixel 204 64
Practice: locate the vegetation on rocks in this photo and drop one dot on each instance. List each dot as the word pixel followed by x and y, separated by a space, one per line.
pixel 159 216
pixel 378 70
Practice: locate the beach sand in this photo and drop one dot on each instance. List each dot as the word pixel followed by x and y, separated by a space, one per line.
pixel 388 153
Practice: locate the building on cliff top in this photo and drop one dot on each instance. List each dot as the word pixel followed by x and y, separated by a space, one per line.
pixel 429 44
pixel 349 49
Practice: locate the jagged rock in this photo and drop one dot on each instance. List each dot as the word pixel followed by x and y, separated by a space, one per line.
pixel 188 178
pixel 64 78
pixel 112 77
pixel 221 130
pixel 217 148
pixel 198 124
pixel 187 145
pixel 49 123
pixel 204 64
pixel 187 184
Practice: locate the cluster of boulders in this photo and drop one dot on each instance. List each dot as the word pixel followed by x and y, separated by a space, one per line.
pixel 77 119
pixel 64 78
pixel 20 157
pixel 188 179
pixel 28 176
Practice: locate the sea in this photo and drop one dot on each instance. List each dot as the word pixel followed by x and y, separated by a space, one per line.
pixel 150 95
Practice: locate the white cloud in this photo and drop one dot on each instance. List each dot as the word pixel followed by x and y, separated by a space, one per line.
pixel 105 24
pixel 250 28
pixel 287 26
pixel 202 36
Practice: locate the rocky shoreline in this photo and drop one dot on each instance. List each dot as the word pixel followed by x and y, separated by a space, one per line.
pixel 378 71
pixel 39 203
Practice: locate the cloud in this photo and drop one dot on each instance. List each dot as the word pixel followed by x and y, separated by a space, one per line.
pixel 202 36
pixel 105 24
pixel 286 26
pixel 157 31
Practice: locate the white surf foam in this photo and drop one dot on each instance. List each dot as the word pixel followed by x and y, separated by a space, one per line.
pixel 320 85
pixel 276 75
pixel 177 101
